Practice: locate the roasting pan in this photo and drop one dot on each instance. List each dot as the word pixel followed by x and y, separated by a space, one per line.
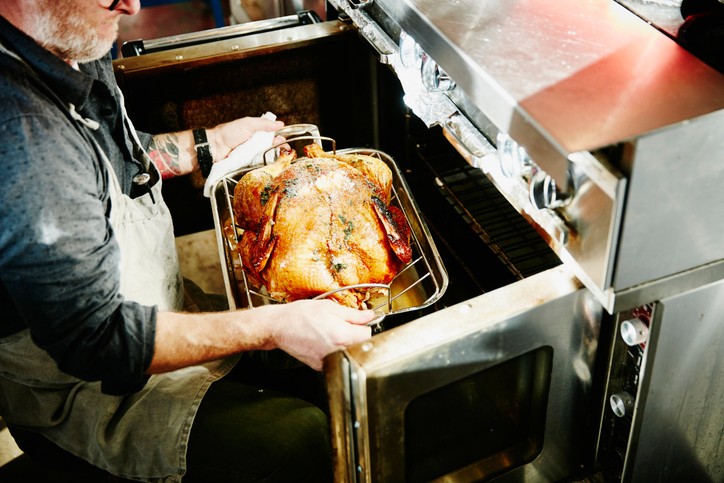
pixel 418 284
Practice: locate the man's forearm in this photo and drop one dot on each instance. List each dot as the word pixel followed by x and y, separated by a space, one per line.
pixel 305 329
pixel 173 153
pixel 184 339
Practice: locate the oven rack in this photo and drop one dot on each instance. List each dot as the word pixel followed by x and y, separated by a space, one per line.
pixel 418 284
pixel 509 236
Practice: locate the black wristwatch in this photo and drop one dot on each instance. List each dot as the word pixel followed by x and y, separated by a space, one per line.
pixel 203 151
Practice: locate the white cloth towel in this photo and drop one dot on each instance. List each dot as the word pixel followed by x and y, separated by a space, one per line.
pixel 248 153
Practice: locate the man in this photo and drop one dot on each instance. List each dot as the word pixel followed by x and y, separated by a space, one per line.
pixel 95 355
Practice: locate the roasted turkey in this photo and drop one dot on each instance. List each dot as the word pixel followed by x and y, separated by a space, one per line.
pixel 319 223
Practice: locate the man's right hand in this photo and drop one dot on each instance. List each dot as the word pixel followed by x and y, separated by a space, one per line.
pixel 310 329
pixel 307 330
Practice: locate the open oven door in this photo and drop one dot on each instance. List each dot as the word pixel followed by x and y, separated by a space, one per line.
pixel 499 386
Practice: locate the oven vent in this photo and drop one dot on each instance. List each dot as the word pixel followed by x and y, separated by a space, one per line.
pixel 508 235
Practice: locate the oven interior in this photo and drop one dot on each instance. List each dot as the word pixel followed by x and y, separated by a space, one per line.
pixel 337 84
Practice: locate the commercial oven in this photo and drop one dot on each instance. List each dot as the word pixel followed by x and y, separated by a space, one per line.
pixel 564 159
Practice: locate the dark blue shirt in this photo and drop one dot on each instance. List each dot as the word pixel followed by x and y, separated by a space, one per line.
pixel 59 260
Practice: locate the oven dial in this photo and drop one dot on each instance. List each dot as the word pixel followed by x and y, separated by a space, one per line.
pixel 543 192
pixel 434 78
pixel 621 403
pixel 514 161
pixel 634 331
pixel 411 54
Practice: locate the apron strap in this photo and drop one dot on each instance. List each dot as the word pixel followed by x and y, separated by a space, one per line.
pixel 141 151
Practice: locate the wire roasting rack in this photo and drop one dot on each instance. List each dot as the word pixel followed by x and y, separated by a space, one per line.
pixel 418 284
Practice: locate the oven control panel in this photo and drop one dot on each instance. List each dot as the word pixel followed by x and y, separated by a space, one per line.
pixel 578 213
pixel 626 371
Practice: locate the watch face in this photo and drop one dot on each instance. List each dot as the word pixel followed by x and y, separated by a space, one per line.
pixel 200 137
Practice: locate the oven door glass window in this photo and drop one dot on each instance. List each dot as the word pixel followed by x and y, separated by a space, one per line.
pixel 492 420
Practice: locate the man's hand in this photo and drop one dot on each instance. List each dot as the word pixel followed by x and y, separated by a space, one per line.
pixel 227 136
pixel 311 329
pixel 174 153
pixel 307 330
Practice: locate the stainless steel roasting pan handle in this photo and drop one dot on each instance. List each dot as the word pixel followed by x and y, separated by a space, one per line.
pixel 296 130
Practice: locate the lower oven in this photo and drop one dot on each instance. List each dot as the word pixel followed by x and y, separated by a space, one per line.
pixel 500 384
pixel 522 370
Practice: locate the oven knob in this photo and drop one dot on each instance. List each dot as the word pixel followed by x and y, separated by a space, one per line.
pixel 434 78
pixel 621 403
pixel 411 54
pixel 542 191
pixel 634 331
pixel 513 159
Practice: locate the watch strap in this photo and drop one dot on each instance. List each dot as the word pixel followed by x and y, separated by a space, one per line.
pixel 203 151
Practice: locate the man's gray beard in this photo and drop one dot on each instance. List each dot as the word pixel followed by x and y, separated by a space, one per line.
pixel 67 36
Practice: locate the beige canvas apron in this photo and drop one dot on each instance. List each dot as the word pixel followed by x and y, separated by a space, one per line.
pixel 143 227
pixel 142 435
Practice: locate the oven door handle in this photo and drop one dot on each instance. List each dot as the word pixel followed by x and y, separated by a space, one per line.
pixel 139 47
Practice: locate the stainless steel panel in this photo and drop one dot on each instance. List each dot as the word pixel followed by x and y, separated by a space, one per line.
pixel 664 14
pixel 582 86
pixel 668 286
pixel 565 76
pixel 680 417
pixel 547 309
pixel 673 216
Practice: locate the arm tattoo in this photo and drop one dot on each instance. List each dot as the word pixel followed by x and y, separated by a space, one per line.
pixel 164 153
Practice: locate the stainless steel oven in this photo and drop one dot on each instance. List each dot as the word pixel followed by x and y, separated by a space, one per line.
pixel 565 159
